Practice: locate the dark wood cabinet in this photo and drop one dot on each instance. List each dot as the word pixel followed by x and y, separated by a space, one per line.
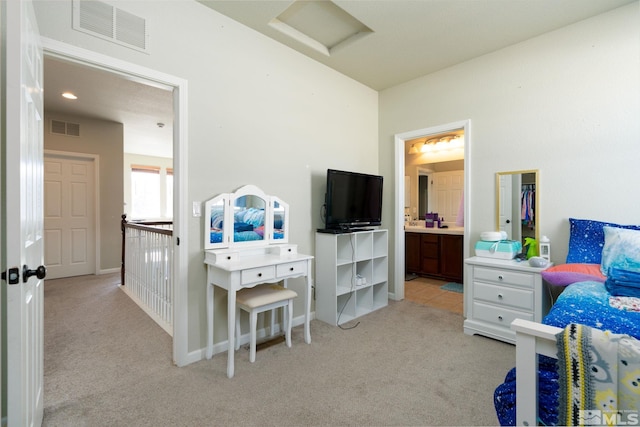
pixel 430 254
pixel 412 252
pixel 451 263
pixel 434 255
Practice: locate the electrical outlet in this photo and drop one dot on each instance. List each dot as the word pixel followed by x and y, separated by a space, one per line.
pixel 197 210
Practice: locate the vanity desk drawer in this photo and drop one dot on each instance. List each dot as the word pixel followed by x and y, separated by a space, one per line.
pixel 499 292
pixel 257 275
pixel 291 269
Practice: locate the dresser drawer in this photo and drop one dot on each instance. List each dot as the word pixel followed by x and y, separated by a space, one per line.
pixel 517 298
pixel 498 315
pixel 499 276
pixel 257 275
pixel 291 269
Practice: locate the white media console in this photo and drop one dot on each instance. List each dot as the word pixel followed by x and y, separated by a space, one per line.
pixel 352 274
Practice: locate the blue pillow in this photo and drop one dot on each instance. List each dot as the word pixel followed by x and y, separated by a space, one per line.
pixel 586 240
pixel 621 250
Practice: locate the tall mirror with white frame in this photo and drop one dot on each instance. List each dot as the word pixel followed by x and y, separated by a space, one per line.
pixel 517 210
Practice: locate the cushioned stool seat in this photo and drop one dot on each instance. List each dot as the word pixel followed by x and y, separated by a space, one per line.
pixel 259 299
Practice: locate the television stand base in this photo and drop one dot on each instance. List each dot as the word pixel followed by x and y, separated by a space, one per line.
pixel 342 230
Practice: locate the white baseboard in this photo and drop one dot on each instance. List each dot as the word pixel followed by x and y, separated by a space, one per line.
pixel 108 271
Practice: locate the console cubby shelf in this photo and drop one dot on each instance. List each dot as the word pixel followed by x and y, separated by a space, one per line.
pixel 341 259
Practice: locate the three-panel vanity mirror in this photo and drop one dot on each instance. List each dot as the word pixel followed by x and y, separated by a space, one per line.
pixel 517 204
pixel 247 217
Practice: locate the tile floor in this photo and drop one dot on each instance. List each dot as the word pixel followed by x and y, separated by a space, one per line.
pixel 427 291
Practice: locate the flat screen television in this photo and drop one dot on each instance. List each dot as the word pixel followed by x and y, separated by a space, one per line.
pixel 353 200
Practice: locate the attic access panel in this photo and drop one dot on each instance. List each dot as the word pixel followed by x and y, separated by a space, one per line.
pixel 322 26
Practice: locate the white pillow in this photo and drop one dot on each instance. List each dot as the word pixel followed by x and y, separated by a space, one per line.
pixel 621 250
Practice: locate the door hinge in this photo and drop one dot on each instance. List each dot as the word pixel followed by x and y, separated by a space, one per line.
pixel 12 276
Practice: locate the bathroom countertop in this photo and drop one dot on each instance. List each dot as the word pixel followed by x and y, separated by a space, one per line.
pixel 422 229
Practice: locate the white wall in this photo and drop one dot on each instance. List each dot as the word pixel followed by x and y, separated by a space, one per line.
pixel 566 103
pixel 259 113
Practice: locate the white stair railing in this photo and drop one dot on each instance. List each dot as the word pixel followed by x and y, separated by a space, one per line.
pixel 147 261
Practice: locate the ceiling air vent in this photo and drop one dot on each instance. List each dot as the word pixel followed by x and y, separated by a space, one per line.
pixel 110 23
pixel 65 128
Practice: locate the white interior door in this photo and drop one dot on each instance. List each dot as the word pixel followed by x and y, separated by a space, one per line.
pixel 69 215
pixel 446 193
pixel 23 206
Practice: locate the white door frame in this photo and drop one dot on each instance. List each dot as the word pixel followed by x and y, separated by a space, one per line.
pixel 400 139
pixel 178 85
pixel 96 193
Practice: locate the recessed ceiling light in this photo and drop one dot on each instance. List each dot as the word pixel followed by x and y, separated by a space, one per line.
pixel 69 95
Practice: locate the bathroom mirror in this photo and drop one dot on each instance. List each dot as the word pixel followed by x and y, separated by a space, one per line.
pixel 517 198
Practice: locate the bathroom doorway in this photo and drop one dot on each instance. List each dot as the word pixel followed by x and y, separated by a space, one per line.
pixel 403 144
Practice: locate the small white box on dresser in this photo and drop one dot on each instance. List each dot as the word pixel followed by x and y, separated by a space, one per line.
pixel 498 291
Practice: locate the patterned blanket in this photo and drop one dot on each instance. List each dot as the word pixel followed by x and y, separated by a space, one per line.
pixel 599 377
pixel 586 303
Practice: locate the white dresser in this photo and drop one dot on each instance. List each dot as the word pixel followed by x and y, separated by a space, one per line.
pixel 499 291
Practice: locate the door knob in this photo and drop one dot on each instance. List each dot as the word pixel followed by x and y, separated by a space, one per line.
pixel 39 272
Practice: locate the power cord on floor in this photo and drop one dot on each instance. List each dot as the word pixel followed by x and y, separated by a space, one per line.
pixel 351 292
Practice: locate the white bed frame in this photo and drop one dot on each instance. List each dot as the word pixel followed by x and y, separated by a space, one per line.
pixel 531 339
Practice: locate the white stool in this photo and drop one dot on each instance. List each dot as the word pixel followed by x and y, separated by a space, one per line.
pixel 260 299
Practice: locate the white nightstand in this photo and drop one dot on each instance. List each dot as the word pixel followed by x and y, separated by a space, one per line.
pixel 499 291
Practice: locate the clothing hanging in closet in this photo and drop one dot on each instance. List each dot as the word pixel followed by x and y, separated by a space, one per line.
pixel 527 199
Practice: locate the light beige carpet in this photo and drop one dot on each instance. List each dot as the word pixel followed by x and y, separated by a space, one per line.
pixel 108 364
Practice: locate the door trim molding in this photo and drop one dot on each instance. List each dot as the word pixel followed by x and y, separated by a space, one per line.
pixel 95 158
pixel 179 87
pixel 400 139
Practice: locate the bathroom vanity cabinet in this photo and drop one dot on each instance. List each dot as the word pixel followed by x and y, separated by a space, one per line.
pixel 434 254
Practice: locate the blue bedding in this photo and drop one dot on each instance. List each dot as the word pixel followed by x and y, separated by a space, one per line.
pixel 587 303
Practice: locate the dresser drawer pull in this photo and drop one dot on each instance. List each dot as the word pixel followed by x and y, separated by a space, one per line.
pixel 291 268
pixel 259 274
pixel 228 257
pixel 500 277
pixel 500 318
pixel 500 296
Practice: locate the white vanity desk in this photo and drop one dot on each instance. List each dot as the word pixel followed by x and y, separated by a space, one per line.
pixel 253 251
pixel 248 270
